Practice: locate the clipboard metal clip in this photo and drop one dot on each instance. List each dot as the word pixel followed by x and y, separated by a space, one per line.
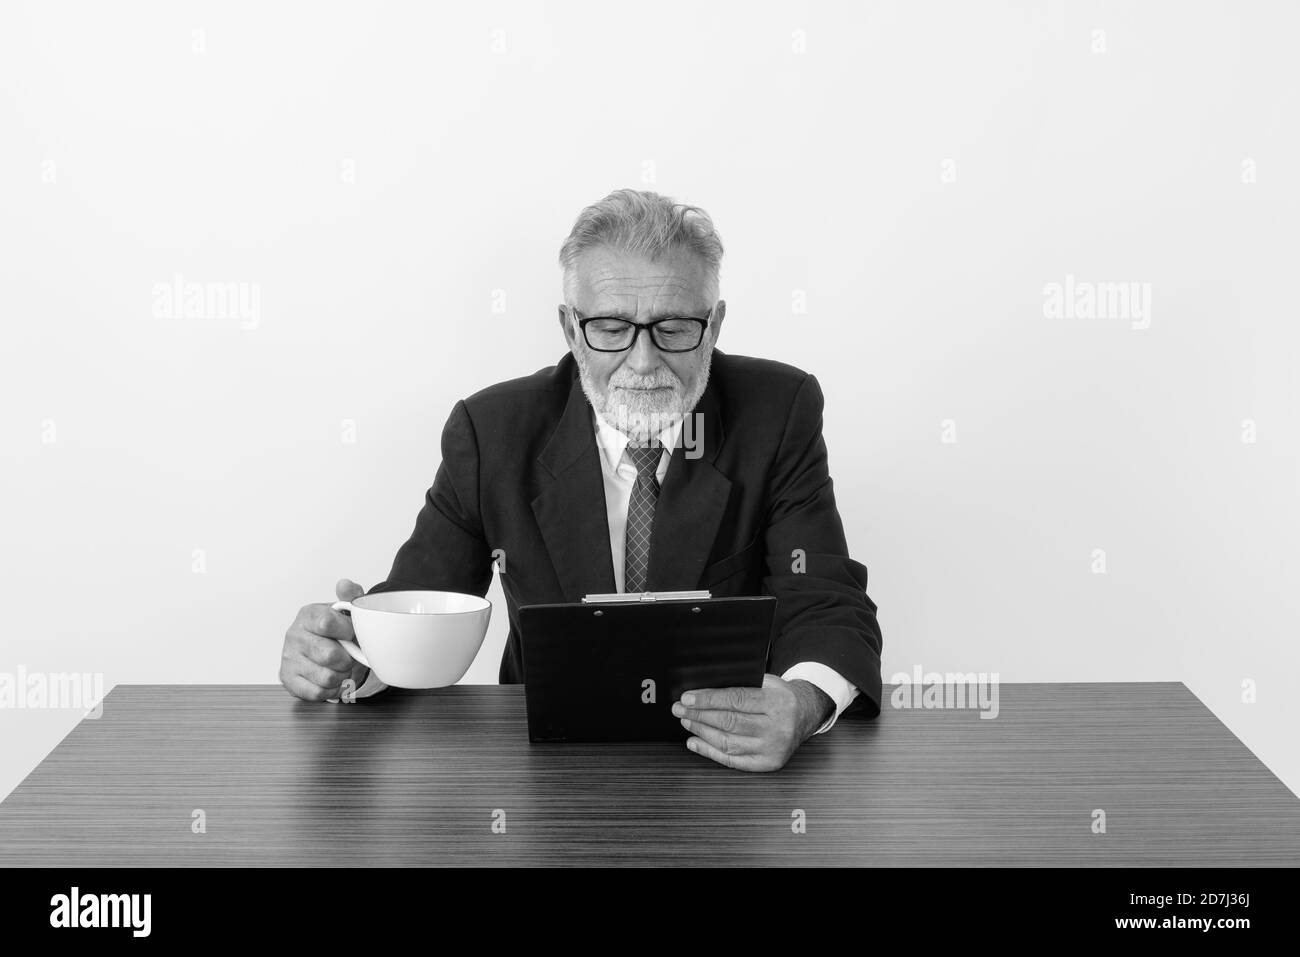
pixel 608 597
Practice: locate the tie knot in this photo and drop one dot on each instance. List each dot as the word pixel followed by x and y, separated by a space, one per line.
pixel 645 459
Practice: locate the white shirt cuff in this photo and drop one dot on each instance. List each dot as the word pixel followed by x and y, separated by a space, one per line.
pixel 836 686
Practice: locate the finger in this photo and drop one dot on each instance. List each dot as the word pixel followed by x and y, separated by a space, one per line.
pixel 730 744
pixel 300 687
pixel 329 623
pixel 324 678
pixel 732 722
pixel 750 700
pixel 328 653
pixel 741 762
pixel 345 589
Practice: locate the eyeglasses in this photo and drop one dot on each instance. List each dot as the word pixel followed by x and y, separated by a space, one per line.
pixel 611 334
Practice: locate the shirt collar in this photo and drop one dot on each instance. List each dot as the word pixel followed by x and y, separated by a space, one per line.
pixel 613 442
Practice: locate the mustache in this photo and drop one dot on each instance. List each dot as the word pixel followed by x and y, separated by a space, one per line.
pixel 663 381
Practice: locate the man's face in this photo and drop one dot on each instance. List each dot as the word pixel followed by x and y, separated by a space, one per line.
pixel 642 390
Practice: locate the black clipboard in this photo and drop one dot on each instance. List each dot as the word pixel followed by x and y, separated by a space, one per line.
pixel 609 668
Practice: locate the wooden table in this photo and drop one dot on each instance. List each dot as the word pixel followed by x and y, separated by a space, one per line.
pixel 421 778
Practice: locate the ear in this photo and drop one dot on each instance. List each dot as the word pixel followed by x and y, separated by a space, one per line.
pixel 564 324
pixel 719 313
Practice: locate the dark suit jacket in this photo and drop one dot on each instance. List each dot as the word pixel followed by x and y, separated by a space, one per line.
pixel 521 472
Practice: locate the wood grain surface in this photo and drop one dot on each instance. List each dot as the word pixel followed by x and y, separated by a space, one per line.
pixel 418 778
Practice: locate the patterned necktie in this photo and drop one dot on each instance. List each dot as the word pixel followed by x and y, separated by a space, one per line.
pixel 640 517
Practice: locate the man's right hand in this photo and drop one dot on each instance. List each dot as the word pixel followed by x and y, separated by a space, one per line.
pixel 314 665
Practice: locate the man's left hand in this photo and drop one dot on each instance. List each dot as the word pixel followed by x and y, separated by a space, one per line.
pixel 753 729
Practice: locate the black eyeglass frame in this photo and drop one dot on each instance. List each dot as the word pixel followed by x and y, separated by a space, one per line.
pixel 638 326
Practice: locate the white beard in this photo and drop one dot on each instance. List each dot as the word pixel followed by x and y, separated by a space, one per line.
pixel 641 416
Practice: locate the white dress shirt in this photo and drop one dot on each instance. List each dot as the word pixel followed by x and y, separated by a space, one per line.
pixel 620 476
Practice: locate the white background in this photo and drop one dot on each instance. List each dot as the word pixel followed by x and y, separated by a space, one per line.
pixel 382 172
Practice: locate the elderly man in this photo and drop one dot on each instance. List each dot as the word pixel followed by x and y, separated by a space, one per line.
pixel 645 459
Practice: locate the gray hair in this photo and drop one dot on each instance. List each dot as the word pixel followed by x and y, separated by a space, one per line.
pixel 643 222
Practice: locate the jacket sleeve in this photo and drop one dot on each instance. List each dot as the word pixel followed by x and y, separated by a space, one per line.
pixel 823 612
pixel 447 550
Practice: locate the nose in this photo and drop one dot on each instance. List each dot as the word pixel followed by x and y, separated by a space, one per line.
pixel 643 357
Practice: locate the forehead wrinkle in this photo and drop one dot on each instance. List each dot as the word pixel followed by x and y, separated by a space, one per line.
pixel 629 291
pixel 639 282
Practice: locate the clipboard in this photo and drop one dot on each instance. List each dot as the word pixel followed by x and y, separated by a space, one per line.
pixel 609 667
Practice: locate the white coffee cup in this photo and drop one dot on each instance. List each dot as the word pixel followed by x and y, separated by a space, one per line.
pixel 417 639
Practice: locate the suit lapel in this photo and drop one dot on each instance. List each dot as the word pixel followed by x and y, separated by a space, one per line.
pixel 571 514
pixel 692 501
pixel 570 510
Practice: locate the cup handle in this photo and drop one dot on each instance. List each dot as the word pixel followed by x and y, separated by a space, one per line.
pixel 351 647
